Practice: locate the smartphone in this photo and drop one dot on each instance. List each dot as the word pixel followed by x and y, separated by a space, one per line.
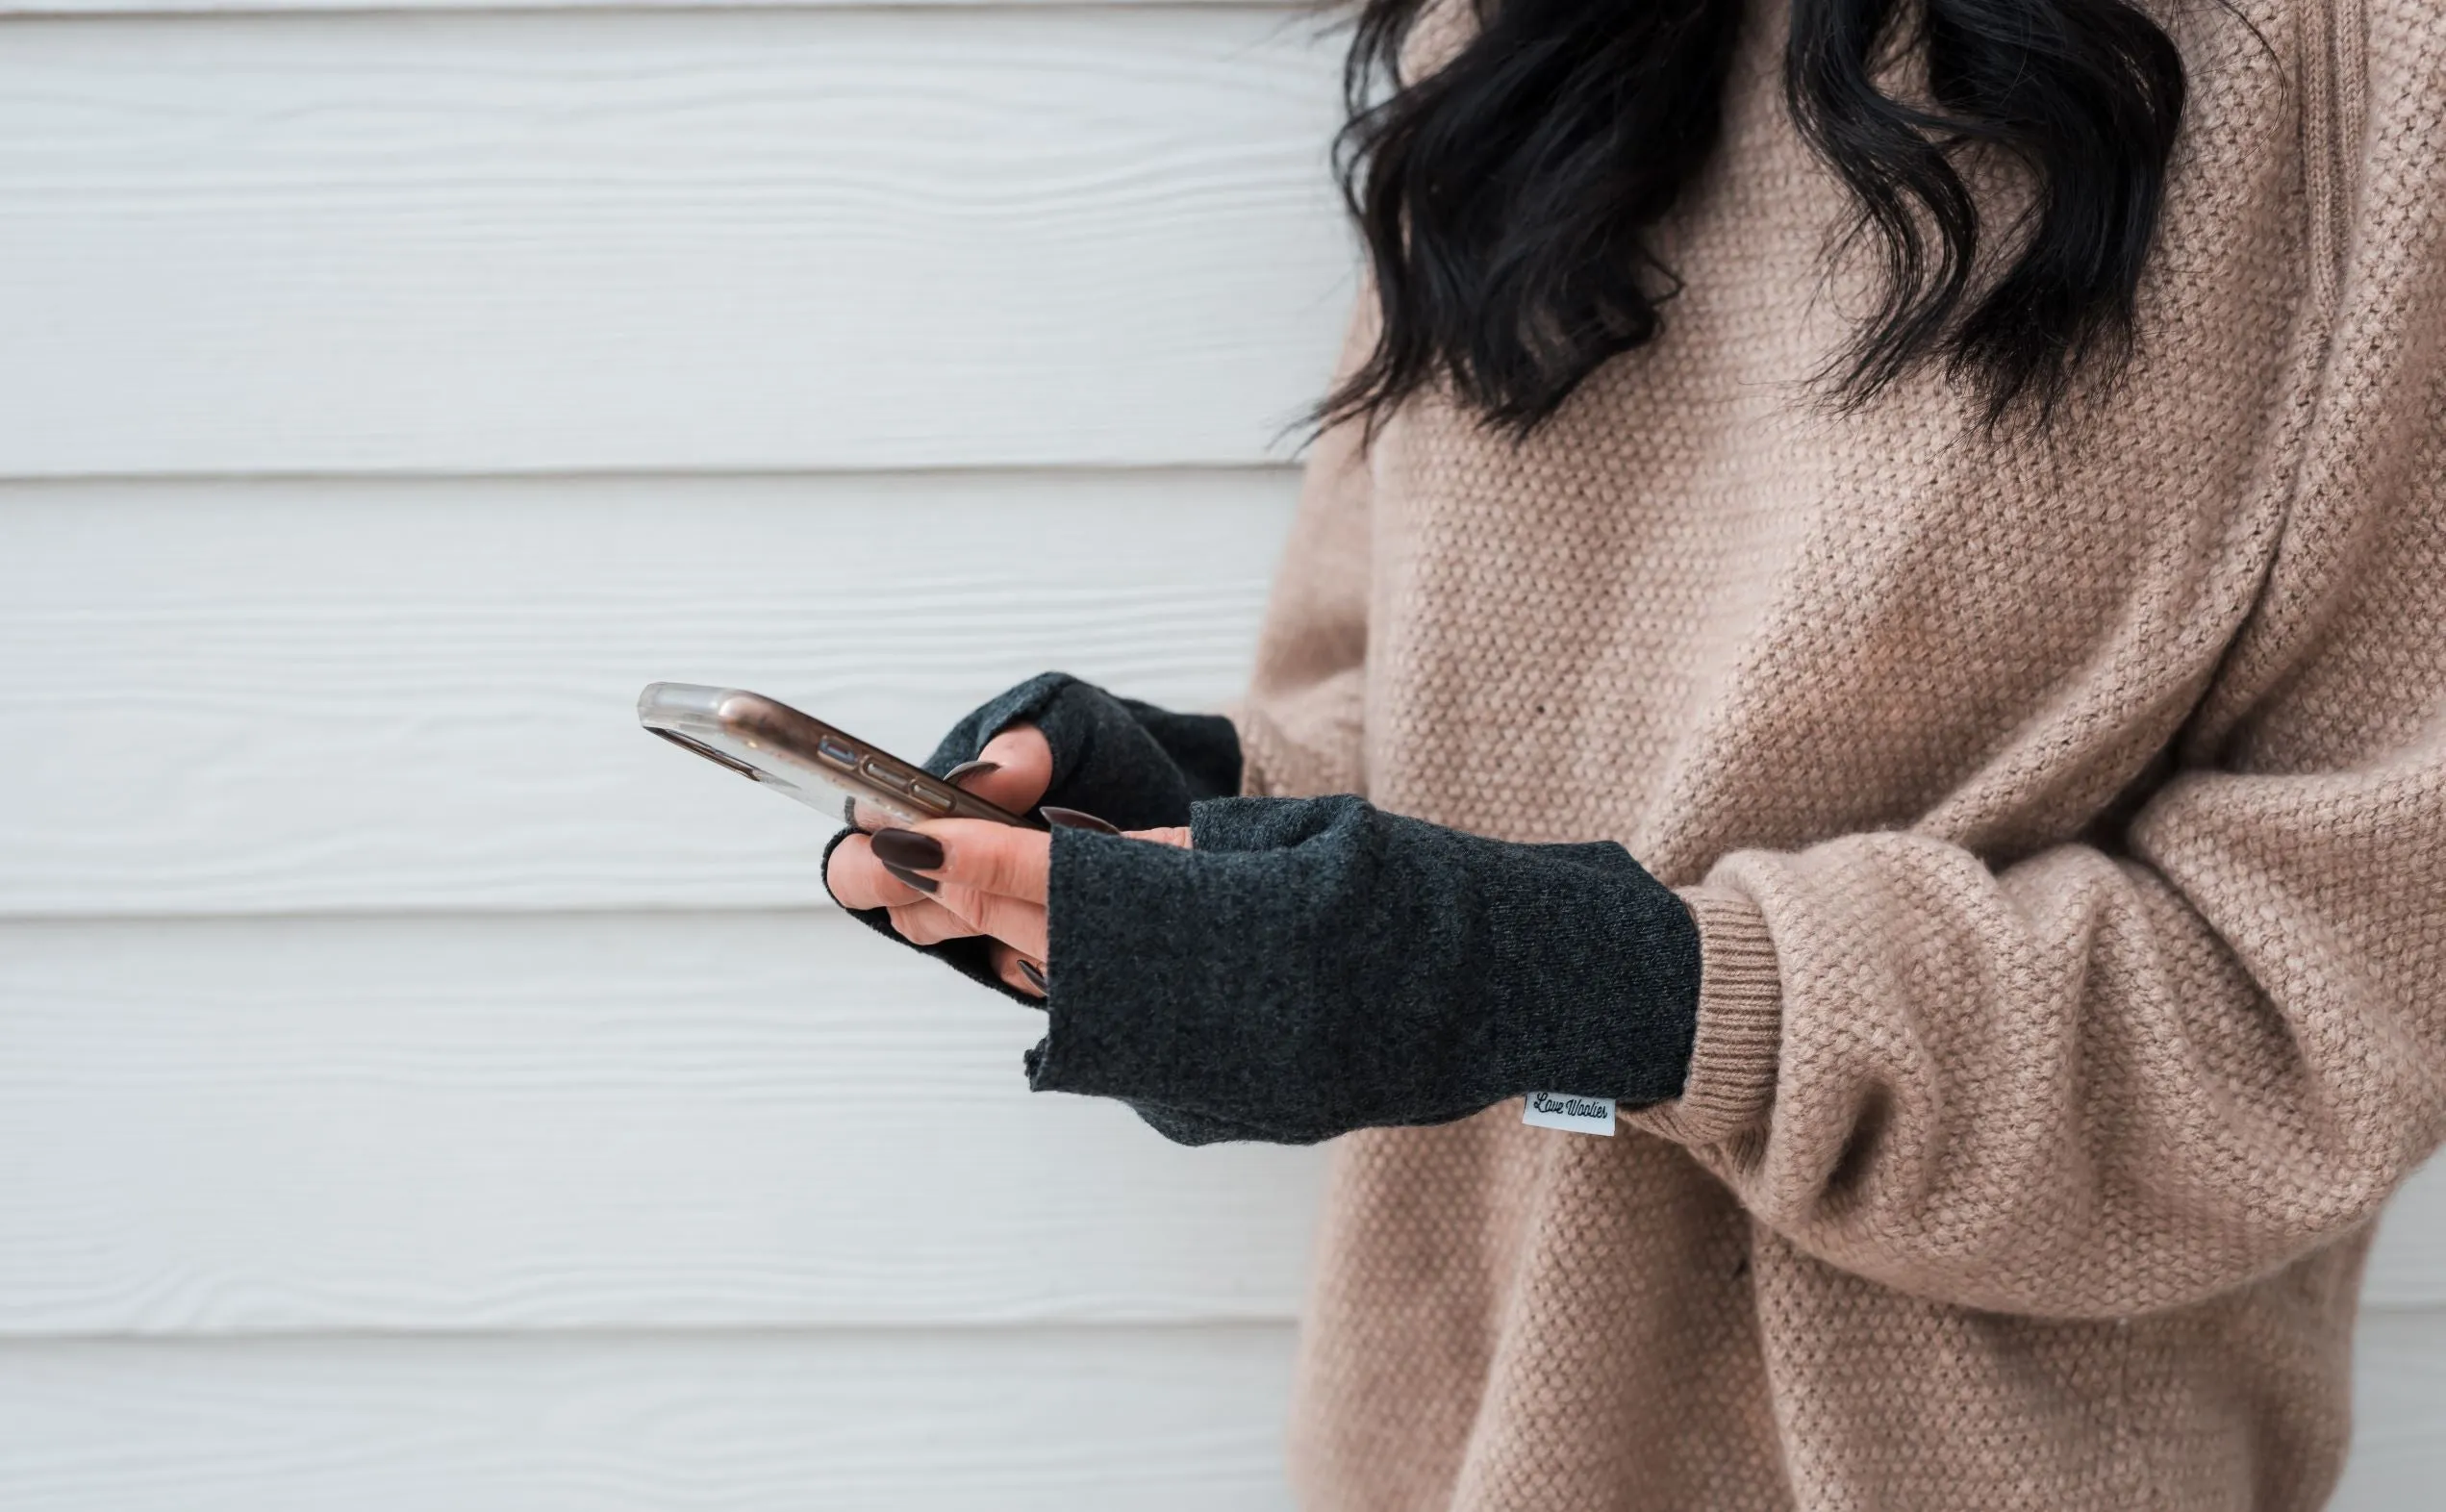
pixel 800 756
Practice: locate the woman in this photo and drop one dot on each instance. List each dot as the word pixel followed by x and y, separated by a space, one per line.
pixel 1955 491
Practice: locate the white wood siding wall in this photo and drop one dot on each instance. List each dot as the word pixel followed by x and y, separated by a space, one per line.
pixel 417 1088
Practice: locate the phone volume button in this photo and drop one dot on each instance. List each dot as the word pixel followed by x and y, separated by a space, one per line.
pixel 932 797
pixel 882 776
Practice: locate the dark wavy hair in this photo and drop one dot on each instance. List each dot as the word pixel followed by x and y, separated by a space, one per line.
pixel 1507 198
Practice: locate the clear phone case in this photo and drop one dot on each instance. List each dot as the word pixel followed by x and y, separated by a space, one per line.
pixel 803 758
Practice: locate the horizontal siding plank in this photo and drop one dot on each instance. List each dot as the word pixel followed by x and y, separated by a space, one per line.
pixel 2399 1411
pixel 369 695
pixel 1028 1421
pixel 607 1121
pixel 732 239
pixel 2408 1265
pixel 1069 1421
pixel 579 1120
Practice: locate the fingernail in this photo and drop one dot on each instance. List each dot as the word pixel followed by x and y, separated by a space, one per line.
pixel 906 847
pixel 1072 819
pixel 971 768
pixel 1035 978
pixel 922 884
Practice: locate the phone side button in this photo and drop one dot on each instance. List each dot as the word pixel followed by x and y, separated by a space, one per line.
pixel 882 776
pixel 833 751
pixel 932 797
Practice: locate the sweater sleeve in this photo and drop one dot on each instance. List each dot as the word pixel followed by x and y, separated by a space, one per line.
pixel 2118 1076
pixel 1300 724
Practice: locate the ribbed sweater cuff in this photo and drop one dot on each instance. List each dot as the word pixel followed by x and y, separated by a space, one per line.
pixel 1733 1065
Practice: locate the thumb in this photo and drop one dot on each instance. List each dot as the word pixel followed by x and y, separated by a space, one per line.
pixel 1013 771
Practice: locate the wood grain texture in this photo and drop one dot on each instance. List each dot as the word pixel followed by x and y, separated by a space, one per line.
pixel 2408 1267
pixel 730 240
pixel 2399 1409
pixel 1185 1420
pixel 1075 1421
pixel 579 1122
pixel 744 1119
pixel 318 696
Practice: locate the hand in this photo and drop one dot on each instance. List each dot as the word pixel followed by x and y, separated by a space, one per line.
pixel 985 878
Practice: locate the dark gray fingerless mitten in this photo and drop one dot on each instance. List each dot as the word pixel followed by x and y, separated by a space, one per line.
pixel 1315 966
pixel 1131 764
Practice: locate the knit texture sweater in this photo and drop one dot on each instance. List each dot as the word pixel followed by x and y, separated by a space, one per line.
pixel 2064 813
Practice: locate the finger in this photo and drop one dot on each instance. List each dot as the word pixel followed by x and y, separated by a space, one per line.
pixel 972 853
pixel 1168 835
pixel 862 882
pixel 1015 922
pixel 929 924
pixel 1024 764
pixel 1013 969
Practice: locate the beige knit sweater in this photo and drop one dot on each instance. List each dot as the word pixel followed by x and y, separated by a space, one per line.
pixel 2066 820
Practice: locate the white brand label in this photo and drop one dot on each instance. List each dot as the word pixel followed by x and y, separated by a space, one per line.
pixel 1553 1110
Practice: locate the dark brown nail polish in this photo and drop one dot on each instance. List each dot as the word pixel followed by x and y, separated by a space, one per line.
pixel 1071 819
pixel 1035 978
pixel 922 884
pixel 906 847
pixel 971 768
